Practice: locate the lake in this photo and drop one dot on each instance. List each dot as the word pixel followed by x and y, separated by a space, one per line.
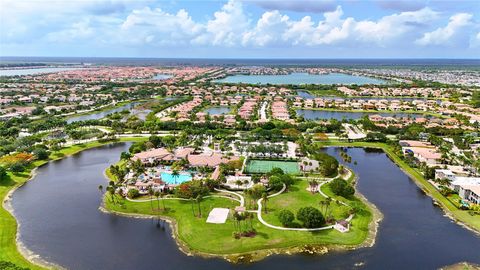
pixel 32 71
pixel 302 78
pixel 218 110
pixel 162 77
pixel 140 113
pixel 102 114
pixel 307 95
pixel 60 221
pixel 339 115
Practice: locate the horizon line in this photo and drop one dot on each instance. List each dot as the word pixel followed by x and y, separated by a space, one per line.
pixel 251 58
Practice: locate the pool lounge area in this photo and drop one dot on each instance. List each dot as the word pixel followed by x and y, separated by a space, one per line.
pixel 158 178
pixel 170 179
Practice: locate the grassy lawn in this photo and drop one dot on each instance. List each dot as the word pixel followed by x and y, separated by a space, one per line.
pixel 8 224
pixel 265 166
pixel 460 215
pixel 298 197
pixel 219 239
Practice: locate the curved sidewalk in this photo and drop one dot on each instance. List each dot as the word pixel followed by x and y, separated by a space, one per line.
pixel 260 218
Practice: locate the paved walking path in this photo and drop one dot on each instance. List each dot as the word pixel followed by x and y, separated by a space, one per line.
pixel 183 199
pixel 260 218
pixel 242 199
pixel 263 111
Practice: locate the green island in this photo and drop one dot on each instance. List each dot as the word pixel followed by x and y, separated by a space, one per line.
pixel 189 224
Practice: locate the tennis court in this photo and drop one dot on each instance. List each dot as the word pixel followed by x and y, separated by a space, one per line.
pixel 265 166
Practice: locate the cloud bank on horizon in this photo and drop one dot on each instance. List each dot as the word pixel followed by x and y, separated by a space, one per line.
pixel 236 28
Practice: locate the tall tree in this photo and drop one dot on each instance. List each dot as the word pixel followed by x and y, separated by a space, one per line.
pixel 265 200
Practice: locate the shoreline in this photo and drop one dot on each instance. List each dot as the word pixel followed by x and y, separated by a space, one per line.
pixel 28 254
pixel 260 254
pixel 447 213
pixel 246 257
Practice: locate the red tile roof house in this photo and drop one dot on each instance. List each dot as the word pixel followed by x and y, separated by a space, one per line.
pixel 208 160
pixel 158 154
pixel 423 152
pixel 152 155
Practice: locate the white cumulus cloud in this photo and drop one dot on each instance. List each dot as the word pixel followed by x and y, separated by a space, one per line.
pixel 444 35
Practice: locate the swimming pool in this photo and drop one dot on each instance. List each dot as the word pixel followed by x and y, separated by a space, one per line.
pixel 170 179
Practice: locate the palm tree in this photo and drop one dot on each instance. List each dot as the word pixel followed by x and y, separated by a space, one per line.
pixel 151 192
pixel 313 185
pixel 175 175
pixel 111 191
pixel 236 218
pixel 138 167
pixel 193 210
pixel 265 199
pixel 322 206
pixel 157 195
pixel 238 182
pixel 328 201
pixel 163 194
pixel 199 199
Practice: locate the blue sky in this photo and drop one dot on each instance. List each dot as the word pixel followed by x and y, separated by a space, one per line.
pixel 241 28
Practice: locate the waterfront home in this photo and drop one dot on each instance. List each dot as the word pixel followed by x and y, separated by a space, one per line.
pixel 468 188
pixel 280 110
pixel 444 174
pixel 422 151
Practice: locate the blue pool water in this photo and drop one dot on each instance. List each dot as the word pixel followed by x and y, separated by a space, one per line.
pixel 169 179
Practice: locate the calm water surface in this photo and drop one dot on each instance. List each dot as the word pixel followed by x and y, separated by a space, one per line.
pixel 302 78
pixel 32 71
pixel 60 220
pixel 307 95
pixel 339 115
pixel 162 77
pixel 218 110
pixel 103 114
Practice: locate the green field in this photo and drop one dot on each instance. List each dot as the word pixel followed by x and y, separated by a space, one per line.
pixel 265 166
pixel 219 239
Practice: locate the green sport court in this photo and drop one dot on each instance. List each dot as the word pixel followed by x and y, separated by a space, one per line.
pixel 265 166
